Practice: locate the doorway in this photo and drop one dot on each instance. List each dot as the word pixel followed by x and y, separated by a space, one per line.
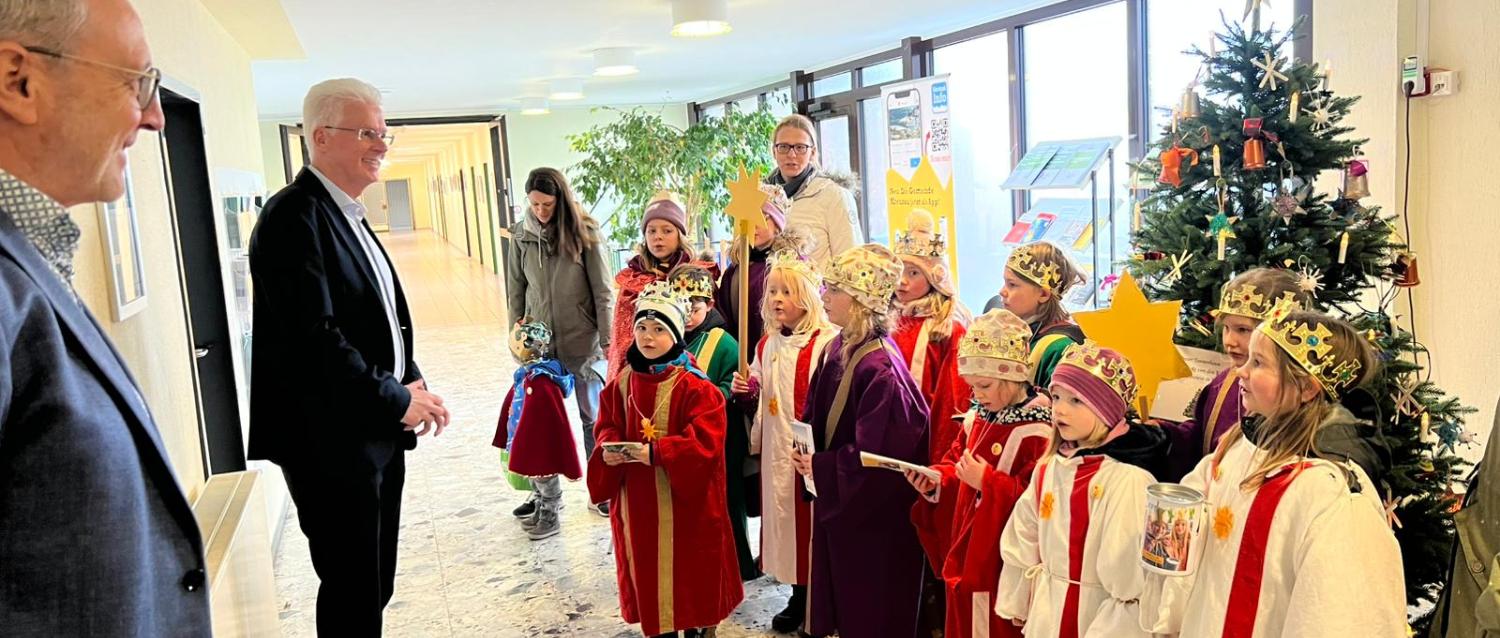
pixel 398 203
pixel 203 282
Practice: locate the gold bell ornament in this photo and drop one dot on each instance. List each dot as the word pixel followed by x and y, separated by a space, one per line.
pixel 1356 179
pixel 1190 107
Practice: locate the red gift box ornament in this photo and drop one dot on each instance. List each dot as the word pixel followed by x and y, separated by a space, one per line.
pixel 1171 164
pixel 1253 126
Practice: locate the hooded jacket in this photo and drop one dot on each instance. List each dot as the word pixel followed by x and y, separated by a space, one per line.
pixel 572 297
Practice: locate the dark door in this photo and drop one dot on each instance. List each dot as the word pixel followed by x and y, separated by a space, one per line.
pixel 208 312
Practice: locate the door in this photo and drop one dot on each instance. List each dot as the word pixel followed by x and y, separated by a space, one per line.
pixel 398 198
pixel 214 344
pixel 293 151
pixel 838 150
pixel 377 211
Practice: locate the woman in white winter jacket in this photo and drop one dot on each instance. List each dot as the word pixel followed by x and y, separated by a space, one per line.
pixel 821 205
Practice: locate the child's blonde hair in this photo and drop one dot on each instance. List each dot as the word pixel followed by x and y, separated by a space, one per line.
pixel 1291 432
pixel 804 296
pixel 943 310
pixel 864 324
pixel 1069 274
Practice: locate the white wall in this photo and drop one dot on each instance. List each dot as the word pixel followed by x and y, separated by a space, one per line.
pixel 1453 189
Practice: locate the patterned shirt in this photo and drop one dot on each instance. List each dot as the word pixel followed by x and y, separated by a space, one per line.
pixel 43 221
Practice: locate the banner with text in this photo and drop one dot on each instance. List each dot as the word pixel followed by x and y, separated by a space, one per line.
pixel 919 153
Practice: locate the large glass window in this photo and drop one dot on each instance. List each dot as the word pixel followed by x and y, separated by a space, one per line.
pixel 833 138
pixel 833 84
pixel 980 93
pixel 888 71
pixel 1178 25
pixel 875 162
pixel 781 101
pixel 1077 86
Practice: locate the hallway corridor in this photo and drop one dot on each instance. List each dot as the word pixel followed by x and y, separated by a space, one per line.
pixel 466 568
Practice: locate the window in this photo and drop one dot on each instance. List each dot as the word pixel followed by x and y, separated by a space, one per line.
pixel 747 105
pixel 712 110
pixel 781 101
pixel 833 84
pixel 877 74
pixel 1178 25
pixel 981 160
pixel 875 162
pixel 833 137
pixel 1074 92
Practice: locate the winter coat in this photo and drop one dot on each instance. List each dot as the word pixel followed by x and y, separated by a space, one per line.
pixel 572 298
pixel 824 207
pixel 1471 599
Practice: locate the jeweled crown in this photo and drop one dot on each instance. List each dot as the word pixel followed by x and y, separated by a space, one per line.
pixel 694 283
pixel 867 275
pixel 1247 301
pixel 1025 262
pixel 1310 344
pixel 1107 366
pixel 996 340
pixel 790 260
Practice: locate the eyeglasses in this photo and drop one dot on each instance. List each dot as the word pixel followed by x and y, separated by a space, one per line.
pixel 792 149
pixel 367 134
pixel 146 82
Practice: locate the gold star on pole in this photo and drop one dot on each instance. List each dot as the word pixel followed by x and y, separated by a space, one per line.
pixel 745 201
pixel 1142 331
pixel 1272 75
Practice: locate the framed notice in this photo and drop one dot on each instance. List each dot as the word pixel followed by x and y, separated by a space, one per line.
pixel 122 254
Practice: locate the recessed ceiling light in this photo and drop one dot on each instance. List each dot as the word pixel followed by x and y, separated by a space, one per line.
pixel 534 106
pixel 615 62
pixel 565 89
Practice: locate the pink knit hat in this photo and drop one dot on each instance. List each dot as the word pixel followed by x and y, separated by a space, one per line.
pixel 1103 378
pixel 665 206
pixel 776 205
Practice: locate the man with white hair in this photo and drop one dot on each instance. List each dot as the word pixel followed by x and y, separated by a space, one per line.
pixel 96 537
pixel 336 397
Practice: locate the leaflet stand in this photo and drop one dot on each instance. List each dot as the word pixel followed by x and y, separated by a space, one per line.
pixel 1070 164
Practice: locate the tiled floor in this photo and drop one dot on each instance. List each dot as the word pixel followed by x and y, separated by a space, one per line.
pixel 465 568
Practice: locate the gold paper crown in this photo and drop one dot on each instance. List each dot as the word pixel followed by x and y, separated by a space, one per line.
pixel 1111 368
pixel 870 276
pixel 1246 301
pixel 996 339
pixel 1311 346
pixel 790 260
pixel 693 283
pixel 660 297
pixel 1027 265
pixel 919 239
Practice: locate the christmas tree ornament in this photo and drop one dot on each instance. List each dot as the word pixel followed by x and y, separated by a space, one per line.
pixel 1310 280
pixel 1190 107
pixel 1171 164
pixel 1321 117
pixel 1343 246
pixel 1178 261
pixel 1141 331
pixel 1219 229
pixel 1449 436
pixel 1405 268
pixel 1325 74
pixel 1255 154
pixel 1218 169
pixel 1296 106
pixel 1405 398
pixel 1357 179
pixel 1272 74
pixel 1288 203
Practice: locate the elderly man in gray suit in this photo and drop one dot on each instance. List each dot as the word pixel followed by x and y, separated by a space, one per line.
pixel 96 537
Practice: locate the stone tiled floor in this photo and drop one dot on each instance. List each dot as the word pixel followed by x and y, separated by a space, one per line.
pixel 466 568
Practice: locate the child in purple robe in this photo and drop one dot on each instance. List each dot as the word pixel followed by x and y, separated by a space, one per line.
pixel 867 560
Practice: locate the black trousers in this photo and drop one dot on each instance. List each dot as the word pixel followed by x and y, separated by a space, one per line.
pixel 351 519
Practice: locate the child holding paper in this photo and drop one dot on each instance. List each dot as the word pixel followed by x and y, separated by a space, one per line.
pixel 660 461
pixel 867 561
pixel 1298 543
pixel 1245 302
pixel 1004 434
pixel 1037 277
pixel 1072 546
pixel 796 335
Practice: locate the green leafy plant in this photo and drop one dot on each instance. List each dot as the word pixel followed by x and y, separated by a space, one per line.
pixel 630 159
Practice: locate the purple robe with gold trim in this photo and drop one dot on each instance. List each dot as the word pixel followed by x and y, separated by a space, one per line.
pixel 1217 408
pixel 867 560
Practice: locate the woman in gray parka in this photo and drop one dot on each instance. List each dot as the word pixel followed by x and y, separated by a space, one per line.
pixel 555 273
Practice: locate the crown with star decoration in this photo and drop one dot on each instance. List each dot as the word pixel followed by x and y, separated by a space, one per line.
pixel 692 283
pixel 870 273
pixel 1310 344
pixel 919 239
pixel 1107 366
pixel 795 262
pixel 1247 301
pixel 1024 262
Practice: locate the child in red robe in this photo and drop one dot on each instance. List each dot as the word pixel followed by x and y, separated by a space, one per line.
pixel 931 324
pixel 660 463
pixel 533 432
pixel 960 516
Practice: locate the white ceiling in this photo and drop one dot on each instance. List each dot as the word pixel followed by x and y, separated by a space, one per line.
pixel 470 56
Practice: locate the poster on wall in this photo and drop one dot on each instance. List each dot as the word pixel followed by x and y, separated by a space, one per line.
pixel 919 147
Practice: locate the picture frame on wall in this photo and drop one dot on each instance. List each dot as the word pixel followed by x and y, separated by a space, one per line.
pixel 122 254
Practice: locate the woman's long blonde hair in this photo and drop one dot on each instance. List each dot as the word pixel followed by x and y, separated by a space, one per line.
pixel 1045 253
pixel 1291 433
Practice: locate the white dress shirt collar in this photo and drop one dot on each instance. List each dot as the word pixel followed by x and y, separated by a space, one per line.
pixel 346 202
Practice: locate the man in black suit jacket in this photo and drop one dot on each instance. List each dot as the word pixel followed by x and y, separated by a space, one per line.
pixel 96 537
pixel 336 397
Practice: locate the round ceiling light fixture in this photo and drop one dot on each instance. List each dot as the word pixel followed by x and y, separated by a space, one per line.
pixel 615 62
pixel 565 89
pixel 700 18
pixel 534 106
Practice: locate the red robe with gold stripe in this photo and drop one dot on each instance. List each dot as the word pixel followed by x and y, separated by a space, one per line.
pixel 960 527
pixel 674 554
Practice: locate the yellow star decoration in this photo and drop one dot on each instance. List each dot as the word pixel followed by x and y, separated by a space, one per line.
pixel 1223 523
pixel 775 407
pixel 745 201
pixel 1142 331
pixel 1097 492
pixel 1046 506
pixel 648 430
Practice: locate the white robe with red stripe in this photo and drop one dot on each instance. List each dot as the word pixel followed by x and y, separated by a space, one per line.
pixel 1301 555
pixel 784 365
pixel 1072 550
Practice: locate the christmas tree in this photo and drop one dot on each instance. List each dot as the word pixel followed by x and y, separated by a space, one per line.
pixel 1234 191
